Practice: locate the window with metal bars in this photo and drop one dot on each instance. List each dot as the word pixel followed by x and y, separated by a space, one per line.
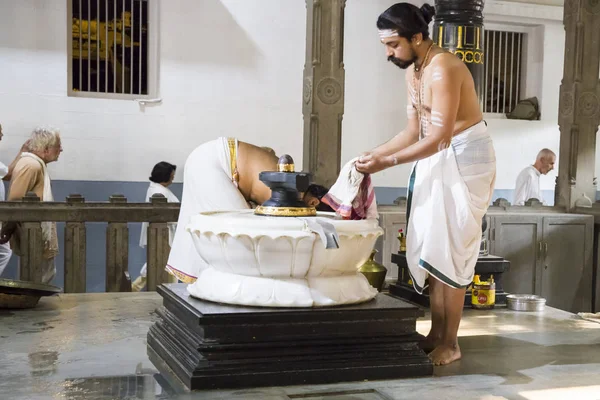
pixel 109 49
pixel 503 72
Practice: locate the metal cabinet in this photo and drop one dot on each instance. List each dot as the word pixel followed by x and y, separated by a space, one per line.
pixel 567 263
pixel 516 238
pixel 550 255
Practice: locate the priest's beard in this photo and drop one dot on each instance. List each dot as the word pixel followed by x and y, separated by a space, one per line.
pixel 403 64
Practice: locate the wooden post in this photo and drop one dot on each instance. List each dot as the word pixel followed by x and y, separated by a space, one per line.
pixel 117 253
pixel 32 245
pixel 323 92
pixel 157 250
pixel 579 105
pixel 75 252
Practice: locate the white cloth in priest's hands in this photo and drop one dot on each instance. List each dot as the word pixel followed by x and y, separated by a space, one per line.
pixel 352 195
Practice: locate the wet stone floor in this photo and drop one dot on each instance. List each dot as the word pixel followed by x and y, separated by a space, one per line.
pixel 93 347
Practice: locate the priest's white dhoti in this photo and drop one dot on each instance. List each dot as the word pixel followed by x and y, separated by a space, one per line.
pixel 209 184
pixel 448 195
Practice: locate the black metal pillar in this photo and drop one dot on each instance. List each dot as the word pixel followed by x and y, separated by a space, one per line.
pixel 458 27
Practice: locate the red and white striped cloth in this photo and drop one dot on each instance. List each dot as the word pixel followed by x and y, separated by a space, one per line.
pixel 352 196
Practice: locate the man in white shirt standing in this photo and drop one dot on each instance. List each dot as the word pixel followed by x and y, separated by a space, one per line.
pixel 528 181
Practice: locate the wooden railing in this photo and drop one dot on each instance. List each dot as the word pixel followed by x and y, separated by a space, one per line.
pixel 75 212
pixel 117 213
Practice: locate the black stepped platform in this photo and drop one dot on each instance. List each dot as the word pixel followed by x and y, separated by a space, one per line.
pixel 208 345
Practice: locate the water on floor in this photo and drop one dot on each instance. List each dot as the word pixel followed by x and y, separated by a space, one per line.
pixel 93 347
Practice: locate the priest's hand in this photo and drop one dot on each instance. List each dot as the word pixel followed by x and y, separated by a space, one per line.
pixel 373 162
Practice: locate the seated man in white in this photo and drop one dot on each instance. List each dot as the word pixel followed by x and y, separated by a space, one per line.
pixel 528 181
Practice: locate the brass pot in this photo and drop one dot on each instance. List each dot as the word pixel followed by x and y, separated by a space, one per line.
pixel 374 272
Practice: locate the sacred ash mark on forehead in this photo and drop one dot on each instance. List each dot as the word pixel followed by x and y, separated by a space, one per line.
pixel 387 33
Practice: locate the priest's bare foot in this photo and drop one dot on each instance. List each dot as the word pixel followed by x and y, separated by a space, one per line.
pixel 430 343
pixel 445 354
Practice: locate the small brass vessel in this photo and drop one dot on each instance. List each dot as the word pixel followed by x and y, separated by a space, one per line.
pixel 374 272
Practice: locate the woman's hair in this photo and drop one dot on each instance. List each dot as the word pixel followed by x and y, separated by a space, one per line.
pixel 407 19
pixel 162 172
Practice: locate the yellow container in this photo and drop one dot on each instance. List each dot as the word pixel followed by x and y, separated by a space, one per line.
pixel 402 239
pixel 483 294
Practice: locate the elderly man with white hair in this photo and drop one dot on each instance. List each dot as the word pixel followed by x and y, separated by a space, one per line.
pixel 528 181
pixel 31 175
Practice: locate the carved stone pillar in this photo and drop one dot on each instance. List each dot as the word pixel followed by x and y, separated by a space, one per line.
pixel 458 27
pixel 579 107
pixel 323 92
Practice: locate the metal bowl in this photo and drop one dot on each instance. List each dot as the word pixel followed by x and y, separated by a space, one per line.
pixel 18 301
pixel 525 302
pixel 16 294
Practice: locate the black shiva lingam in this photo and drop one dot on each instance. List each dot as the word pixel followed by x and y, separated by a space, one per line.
pixel 286 186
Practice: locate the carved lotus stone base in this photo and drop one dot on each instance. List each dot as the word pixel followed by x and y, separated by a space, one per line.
pixel 204 345
pixel 281 262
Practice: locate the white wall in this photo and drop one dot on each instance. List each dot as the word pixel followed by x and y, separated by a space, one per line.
pixel 229 67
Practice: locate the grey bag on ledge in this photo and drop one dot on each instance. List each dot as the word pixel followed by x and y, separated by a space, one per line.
pixel 527 109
